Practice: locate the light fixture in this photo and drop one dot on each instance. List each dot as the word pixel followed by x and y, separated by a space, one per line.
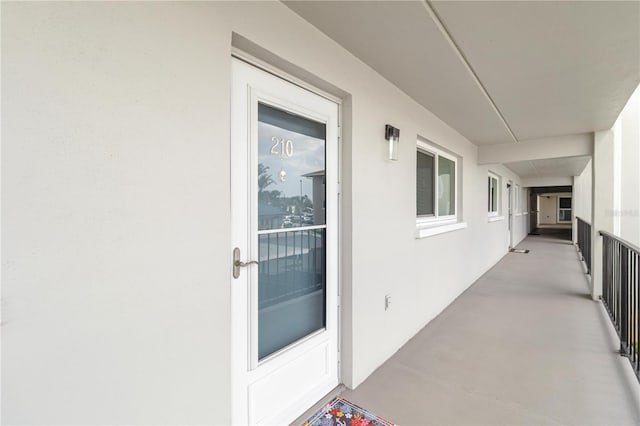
pixel 392 135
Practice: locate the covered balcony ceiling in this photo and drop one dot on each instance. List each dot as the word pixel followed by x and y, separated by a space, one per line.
pixel 498 72
pixel 550 167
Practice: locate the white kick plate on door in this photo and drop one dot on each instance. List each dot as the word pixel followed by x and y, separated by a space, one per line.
pixel 294 380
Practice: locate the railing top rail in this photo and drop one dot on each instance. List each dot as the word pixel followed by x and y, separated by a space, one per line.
pixel 581 219
pixel 620 240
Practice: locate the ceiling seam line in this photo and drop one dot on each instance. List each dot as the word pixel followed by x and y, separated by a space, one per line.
pixel 443 29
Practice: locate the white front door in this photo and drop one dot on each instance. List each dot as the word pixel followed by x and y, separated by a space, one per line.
pixel 284 205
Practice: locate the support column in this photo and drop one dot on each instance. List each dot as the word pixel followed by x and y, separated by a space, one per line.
pixel 602 205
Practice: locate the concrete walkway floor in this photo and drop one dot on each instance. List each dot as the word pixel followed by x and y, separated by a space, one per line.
pixel 524 345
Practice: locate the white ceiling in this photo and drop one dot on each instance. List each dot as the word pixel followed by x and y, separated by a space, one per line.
pixel 402 43
pixel 553 68
pixel 550 68
pixel 555 167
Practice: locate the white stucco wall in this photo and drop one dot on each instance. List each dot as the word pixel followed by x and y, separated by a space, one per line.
pixel 582 197
pixel 115 191
pixel 582 193
pixel 627 211
pixel 115 262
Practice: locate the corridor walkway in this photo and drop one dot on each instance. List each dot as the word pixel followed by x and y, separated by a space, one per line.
pixel 524 345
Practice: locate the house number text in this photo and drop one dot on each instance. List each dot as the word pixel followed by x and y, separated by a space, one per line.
pixel 283 147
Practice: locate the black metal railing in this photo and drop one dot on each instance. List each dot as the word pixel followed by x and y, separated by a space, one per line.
pixel 584 242
pixel 291 265
pixel 620 277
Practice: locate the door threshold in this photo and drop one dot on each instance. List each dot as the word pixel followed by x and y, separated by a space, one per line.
pixel 318 405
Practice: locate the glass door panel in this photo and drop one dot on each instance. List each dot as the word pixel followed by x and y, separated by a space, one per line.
pixel 291 228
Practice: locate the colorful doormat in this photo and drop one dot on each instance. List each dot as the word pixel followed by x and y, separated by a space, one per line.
pixel 342 412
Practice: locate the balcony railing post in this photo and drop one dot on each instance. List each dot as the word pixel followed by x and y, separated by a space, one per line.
pixel 636 312
pixel 605 272
pixel 624 300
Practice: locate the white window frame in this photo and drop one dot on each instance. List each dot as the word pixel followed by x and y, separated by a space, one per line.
pixel 517 194
pixel 428 221
pixel 495 214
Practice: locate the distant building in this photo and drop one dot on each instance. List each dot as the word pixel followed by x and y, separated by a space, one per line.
pixel 270 217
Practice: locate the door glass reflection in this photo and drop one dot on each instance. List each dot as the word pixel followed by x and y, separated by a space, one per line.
pixel 291 170
pixel 291 200
pixel 291 290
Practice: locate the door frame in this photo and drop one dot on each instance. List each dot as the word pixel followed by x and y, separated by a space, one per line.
pixel 239 383
pixel 510 212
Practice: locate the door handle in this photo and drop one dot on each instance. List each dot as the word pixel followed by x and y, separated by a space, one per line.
pixel 237 263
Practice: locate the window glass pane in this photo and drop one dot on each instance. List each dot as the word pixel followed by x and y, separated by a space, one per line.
pixel 291 173
pixel 489 196
pixel 565 203
pixel 493 194
pixel 446 187
pixel 424 184
pixel 565 215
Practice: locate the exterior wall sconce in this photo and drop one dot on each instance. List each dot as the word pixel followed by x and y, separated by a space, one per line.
pixel 392 135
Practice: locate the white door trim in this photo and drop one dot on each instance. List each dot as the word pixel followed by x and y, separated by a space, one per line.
pixel 246 369
pixel 267 67
pixel 510 213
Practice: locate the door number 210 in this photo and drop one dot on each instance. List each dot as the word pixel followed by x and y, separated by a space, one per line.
pixel 282 147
